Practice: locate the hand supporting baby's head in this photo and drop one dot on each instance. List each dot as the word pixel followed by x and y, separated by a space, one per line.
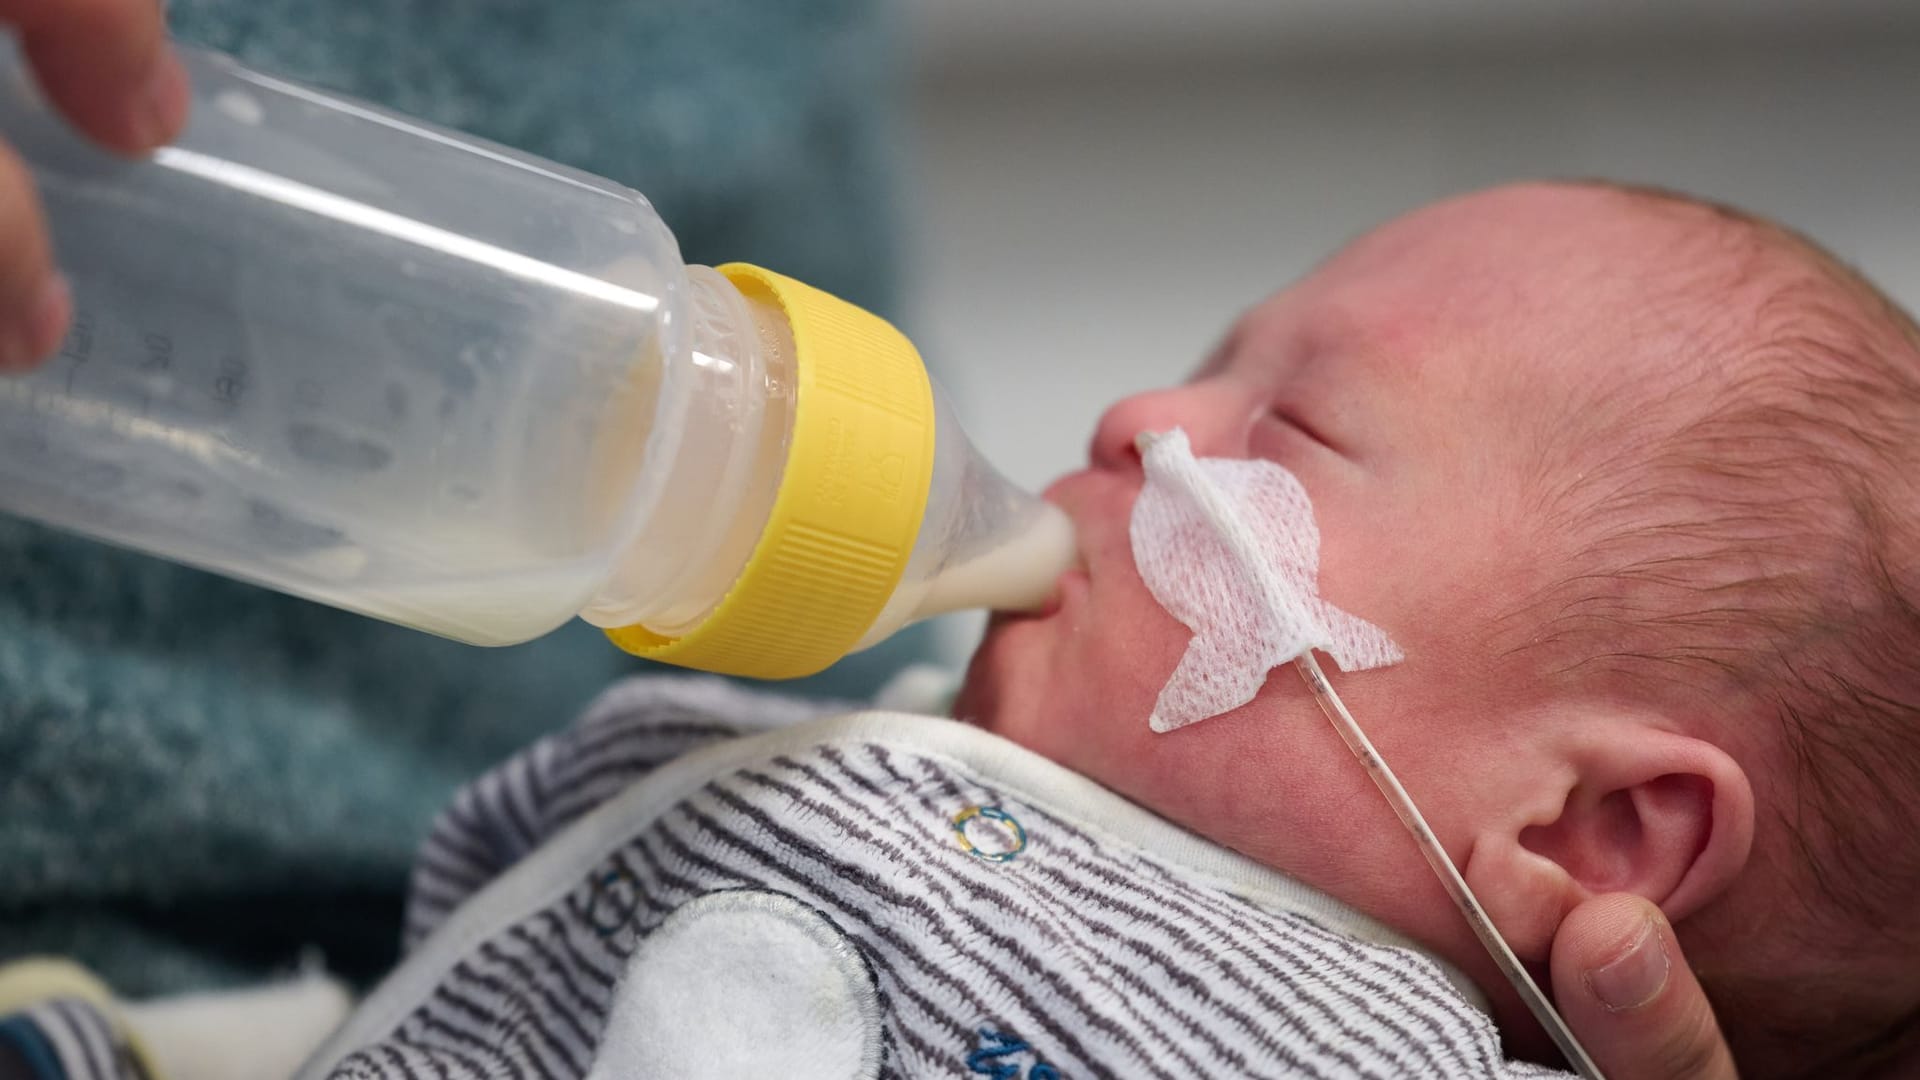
pixel 1743 554
pixel 1629 478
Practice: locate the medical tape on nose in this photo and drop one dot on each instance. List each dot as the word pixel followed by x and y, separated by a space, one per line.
pixel 1230 548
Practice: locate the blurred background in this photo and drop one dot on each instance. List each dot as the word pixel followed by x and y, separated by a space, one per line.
pixel 1098 187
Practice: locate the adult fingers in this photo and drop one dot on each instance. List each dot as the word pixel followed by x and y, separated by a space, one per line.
pixel 35 304
pixel 1622 984
pixel 106 65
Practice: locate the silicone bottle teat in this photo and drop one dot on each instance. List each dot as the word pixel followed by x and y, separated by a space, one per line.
pixel 984 541
pixel 884 513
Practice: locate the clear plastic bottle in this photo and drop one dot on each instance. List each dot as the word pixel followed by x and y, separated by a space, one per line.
pixel 356 358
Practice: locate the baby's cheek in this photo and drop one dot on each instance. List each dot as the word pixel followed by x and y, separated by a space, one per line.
pixel 1271 780
pixel 1105 686
pixel 1366 570
pixel 1412 562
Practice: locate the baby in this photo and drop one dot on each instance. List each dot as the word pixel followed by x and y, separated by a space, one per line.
pixel 1633 481
pixel 1630 480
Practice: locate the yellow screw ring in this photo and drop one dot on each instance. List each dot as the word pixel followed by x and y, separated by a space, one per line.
pixel 859 463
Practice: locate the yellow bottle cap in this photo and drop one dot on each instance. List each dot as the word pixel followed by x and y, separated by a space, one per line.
pixel 859 463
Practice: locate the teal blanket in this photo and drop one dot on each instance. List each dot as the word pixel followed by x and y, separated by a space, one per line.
pixel 201 782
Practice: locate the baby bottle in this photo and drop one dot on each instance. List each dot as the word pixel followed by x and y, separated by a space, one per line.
pixel 388 367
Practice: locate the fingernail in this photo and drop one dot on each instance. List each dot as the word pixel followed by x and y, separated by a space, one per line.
pixel 42 326
pixel 160 108
pixel 1636 976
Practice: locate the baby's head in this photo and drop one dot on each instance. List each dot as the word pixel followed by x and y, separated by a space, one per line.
pixel 1635 483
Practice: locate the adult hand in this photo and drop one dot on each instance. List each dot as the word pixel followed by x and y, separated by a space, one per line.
pixel 1627 992
pixel 106 65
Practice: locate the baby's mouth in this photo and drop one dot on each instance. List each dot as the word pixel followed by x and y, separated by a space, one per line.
pixel 1074 576
pixel 1056 597
pixel 1079 571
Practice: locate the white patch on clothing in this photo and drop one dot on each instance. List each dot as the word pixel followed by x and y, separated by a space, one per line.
pixel 743 983
pixel 1230 548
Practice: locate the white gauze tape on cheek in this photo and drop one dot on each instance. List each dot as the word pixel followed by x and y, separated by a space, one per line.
pixel 1230 549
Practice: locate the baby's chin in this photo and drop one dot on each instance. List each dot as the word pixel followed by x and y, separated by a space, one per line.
pixel 974 701
pixel 999 683
pixel 983 696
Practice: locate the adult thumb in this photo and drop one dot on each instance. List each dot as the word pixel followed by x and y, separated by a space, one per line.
pixel 1623 986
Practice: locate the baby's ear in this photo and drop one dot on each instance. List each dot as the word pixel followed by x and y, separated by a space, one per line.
pixel 1628 807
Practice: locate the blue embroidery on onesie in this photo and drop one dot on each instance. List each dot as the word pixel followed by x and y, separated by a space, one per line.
pixel 991 1059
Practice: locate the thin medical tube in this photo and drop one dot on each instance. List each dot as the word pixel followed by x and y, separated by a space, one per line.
pixel 1442 864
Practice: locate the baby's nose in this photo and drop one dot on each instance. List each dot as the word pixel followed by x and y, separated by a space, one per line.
pixel 1203 409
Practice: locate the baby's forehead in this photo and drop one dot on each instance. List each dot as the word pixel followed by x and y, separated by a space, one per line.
pixel 1545 242
pixel 1556 281
pixel 1574 325
pixel 1508 272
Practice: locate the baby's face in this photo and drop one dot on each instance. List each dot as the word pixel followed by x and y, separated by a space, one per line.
pixel 1411 383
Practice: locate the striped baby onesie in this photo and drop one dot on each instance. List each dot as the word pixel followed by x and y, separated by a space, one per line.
pixel 696 880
